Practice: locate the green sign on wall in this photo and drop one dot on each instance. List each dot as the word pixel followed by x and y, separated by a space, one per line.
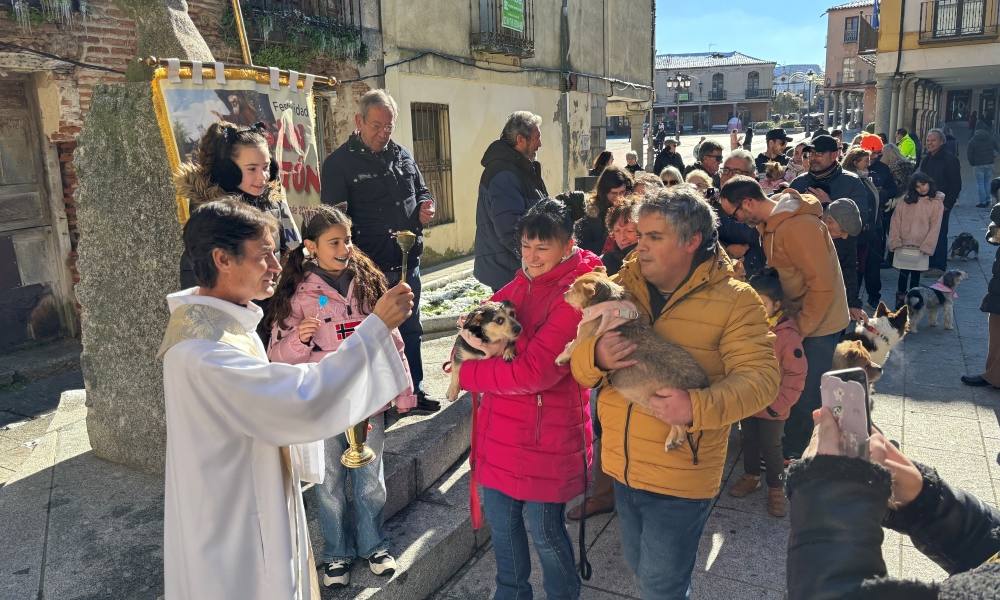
pixel 513 15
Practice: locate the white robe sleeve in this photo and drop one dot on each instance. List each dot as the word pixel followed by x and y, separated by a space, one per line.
pixel 286 404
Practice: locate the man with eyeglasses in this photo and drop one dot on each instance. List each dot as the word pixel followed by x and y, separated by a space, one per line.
pixel 381 187
pixel 798 245
pixel 777 140
pixel 709 160
pixel 741 241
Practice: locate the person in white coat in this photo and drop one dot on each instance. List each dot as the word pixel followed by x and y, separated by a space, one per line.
pixel 234 522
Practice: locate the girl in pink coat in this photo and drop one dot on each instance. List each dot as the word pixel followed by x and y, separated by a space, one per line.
pixel 533 430
pixel 318 303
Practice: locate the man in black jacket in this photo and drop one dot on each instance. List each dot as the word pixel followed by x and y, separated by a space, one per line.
pixel 511 184
pixel 777 140
pixel 946 171
pixel 384 192
pixel 668 157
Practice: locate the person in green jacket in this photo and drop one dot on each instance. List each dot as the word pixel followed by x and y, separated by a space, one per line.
pixel 907 147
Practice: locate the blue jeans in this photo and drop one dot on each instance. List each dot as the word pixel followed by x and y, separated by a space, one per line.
pixel 660 537
pixel 353 530
pixel 983 173
pixel 507 518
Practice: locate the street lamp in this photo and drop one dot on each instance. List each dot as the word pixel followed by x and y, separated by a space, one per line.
pixel 678 82
pixel 811 79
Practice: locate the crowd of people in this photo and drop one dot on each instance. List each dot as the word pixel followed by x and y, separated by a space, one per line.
pixel 752 265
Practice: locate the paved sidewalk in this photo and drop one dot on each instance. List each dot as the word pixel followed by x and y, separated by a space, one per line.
pixel 919 401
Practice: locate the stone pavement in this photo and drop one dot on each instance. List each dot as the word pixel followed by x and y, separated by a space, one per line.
pixel 919 401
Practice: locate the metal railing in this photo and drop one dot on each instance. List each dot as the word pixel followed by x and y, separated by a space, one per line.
pixel 942 20
pixel 850 36
pixel 759 93
pixel 495 37
pixel 432 153
pixel 717 94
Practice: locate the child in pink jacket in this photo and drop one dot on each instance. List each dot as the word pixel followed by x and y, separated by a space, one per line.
pixel 915 224
pixel 318 303
pixel 761 433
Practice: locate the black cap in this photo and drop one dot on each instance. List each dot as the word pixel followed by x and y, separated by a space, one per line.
pixel 824 143
pixel 778 134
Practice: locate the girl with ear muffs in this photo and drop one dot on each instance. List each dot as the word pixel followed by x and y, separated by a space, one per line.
pixel 235 161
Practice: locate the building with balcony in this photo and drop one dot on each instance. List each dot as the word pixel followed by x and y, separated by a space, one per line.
pixel 721 84
pixel 849 86
pixel 941 67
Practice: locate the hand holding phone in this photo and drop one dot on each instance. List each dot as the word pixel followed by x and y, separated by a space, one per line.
pixel 845 393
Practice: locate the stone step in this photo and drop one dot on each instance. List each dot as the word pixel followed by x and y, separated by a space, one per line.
pixel 40 361
pixel 432 538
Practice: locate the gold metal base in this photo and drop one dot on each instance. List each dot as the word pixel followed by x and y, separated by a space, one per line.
pixel 358 454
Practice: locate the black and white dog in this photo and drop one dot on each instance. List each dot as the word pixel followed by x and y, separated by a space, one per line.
pixel 934 299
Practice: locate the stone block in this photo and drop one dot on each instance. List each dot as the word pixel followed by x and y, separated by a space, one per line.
pixel 968 472
pixel 128 263
pixel 943 433
pixel 734 539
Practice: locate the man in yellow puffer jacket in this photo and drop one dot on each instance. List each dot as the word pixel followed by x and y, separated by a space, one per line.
pixel 684 283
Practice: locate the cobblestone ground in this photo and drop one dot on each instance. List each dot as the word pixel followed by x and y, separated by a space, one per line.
pixel 920 402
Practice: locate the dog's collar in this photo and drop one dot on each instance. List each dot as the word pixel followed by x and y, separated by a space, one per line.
pixel 871 329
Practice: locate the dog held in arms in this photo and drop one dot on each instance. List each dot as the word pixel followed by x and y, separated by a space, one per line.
pixel 607 306
pixel 489 330
pixel 933 299
pixel 881 333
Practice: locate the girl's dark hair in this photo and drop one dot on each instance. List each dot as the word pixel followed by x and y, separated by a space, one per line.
pixel 911 188
pixel 767 283
pixel 602 160
pixel 612 177
pixel 222 140
pixel 223 224
pixel 628 210
pixel 369 283
pixel 548 219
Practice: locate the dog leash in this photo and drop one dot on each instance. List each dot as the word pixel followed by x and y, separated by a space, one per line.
pixel 586 570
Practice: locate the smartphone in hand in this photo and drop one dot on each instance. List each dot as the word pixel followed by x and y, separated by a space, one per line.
pixel 845 393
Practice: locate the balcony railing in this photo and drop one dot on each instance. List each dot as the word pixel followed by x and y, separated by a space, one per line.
pixel 717 95
pixel 511 33
pixel 946 20
pixel 850 36
pixel 759 93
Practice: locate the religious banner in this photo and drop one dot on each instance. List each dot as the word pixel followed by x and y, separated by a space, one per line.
pixel 189 100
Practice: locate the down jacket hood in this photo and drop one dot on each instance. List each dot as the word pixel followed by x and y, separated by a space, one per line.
pixel 193 183
pixel 790 204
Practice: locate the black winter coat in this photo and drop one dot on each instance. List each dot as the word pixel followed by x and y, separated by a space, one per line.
pixel 842 184
pixel 667 158
pixel 383 193
pixel 991 302
pixel 732 231
pixel 946 171
pixel 509 186
pixel 613 259
pixel 847 254
pixel 838 508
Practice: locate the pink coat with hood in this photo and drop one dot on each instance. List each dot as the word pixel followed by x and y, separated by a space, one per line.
pixel 340 316
pixel 793 365
pixel 533 430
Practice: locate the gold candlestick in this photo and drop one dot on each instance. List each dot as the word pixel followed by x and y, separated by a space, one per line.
pixel 405 239
pixel 358 454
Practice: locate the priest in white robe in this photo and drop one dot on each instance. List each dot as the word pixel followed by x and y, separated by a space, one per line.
pixel 234 522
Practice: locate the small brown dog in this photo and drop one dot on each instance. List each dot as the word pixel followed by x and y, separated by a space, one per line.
pixel 852 353
pixel 660 363
pixel 489 330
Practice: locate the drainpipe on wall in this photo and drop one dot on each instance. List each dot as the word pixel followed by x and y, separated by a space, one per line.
pixel 564 65
pixel 650 159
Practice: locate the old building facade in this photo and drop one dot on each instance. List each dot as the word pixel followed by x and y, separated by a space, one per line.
pixel 721 84
pixel 849 90
pixel 941 66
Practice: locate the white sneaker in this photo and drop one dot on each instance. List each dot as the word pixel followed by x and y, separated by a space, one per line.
pixel 337 573
pixel 382 563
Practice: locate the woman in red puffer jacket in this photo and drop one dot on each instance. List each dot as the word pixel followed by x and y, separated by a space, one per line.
pixel 533 431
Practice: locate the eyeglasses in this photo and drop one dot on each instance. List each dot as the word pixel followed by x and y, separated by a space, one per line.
pixel 728 171
pixel 379 127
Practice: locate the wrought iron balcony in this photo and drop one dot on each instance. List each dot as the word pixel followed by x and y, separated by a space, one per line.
pixel 942 21
pixel 758 93
pixel 505 28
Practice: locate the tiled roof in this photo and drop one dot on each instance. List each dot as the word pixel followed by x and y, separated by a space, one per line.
pixel 855 4
pixel 695 60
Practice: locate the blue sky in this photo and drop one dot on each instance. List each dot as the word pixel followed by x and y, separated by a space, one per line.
pixel 785 31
